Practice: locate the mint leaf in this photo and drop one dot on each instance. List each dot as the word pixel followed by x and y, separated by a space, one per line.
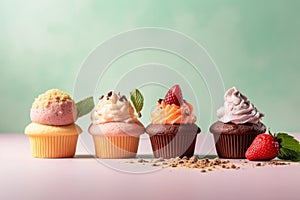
pixel 288 141
pixel 289 147
pixel 137 100
pixel 84 106
pixel 287 154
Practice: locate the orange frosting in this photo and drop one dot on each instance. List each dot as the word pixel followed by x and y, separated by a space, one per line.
pixel 173 114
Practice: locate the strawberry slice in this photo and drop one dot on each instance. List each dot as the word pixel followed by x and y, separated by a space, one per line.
pixel 174 96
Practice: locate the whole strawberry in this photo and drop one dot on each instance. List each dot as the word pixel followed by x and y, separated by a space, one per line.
pixel 263 147
pixel 174 96
pixel 267 146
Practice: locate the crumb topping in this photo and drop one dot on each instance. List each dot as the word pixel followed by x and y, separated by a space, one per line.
pixel 51 95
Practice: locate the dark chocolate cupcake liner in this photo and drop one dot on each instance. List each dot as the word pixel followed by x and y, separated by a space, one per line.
pixel 233 146
pixel 171 146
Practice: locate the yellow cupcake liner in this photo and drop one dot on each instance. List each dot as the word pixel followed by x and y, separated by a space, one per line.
pixel 63 146
pixel 116 146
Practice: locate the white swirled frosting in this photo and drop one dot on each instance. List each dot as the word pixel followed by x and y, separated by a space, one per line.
pixel 113 108
pixel 238 109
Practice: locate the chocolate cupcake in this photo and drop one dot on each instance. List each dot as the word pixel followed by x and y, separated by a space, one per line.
pixel 173 131
pixel 171 140
pixel 238 125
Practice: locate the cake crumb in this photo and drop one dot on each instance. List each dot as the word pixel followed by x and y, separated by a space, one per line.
pixel 276 162
pixel 155 164
pixel 204 164
pixel 193 162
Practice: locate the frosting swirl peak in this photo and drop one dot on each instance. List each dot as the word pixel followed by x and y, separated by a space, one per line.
pixel 113 108
pixel 238 109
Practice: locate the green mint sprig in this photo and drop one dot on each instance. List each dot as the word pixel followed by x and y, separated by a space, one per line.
pixel 84 106
pixel 289 147
pixel 137 100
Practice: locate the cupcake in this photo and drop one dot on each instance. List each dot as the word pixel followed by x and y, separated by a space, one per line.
pixel 53 133
pixel 115 127
pixel 239 123
pixel 173 131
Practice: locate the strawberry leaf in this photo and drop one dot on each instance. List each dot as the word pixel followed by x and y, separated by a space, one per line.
pixel 84 106
pixel 137 100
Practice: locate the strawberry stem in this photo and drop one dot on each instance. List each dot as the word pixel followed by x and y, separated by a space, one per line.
pixel 273 135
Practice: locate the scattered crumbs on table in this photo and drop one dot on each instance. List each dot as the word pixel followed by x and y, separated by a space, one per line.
pixel 205 164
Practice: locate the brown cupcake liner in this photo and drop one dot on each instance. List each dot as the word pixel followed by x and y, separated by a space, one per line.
pixel 171 146
pixel 233 146
pixel 116 146
pixel 53 146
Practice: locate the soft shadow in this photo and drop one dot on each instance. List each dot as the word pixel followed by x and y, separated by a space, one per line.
pixel 84 156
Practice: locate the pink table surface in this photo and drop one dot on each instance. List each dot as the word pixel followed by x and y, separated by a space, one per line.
pixel 84 177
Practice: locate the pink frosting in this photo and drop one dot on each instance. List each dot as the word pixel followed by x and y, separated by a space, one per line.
pixel 53 108
pixel 117 129
pixel 238 109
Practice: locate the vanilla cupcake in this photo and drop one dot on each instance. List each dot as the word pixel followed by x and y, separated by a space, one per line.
pixel 53 133
pixel 239 123
pixel 115 127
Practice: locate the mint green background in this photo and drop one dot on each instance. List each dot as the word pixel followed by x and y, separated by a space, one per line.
pixel 255 45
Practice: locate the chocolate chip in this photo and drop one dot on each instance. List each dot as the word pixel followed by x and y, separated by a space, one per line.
pixel 101 97
pixel 109 94
pixel 123 98
pixel 159 101
pixel 186 112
